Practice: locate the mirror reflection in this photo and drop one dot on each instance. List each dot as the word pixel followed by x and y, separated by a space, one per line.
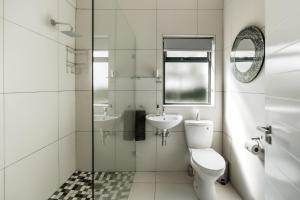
pixel 247 55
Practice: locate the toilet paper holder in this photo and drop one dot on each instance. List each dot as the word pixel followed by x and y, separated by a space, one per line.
pixel 254 146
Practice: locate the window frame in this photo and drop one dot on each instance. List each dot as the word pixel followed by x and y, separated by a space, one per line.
pixel 211 61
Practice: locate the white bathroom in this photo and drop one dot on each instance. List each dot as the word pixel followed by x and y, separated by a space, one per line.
pixel 149 100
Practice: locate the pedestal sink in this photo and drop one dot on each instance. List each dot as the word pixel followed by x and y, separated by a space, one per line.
pixel 164 122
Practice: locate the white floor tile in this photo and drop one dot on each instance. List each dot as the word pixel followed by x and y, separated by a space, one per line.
pixel 226 192
pixel 142 191
pixel 173 177
pixel 169 191
pixel 144 177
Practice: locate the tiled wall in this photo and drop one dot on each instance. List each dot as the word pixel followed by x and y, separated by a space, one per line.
pixel 37 99
pixel 149 20
pixel 244 104
pixel 282 99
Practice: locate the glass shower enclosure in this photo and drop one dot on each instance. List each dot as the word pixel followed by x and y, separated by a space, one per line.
pixel 114 75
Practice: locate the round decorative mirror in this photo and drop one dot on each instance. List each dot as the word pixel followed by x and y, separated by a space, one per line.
pixel 248 54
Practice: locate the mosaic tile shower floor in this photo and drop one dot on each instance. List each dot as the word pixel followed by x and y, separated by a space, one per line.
pixel 108 186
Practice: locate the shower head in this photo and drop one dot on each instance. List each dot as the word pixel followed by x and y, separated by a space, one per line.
pixel 70 32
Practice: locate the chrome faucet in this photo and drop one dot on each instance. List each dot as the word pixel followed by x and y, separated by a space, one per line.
pixel 106 108
pixel 164 112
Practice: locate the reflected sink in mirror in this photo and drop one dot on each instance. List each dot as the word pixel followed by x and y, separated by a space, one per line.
pixel 164 122
pixel 105 121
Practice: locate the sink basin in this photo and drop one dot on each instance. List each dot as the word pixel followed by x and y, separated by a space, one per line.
pixel 105 121
pixel 164 122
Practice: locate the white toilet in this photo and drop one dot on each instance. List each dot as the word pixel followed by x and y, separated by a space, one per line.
pixel 208 165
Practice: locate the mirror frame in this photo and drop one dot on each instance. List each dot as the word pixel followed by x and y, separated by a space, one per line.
pixel 257 37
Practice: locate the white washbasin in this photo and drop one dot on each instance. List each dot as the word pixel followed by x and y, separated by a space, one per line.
pixel 164 122
pixel 105 121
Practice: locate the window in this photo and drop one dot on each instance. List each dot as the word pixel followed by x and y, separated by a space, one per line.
pixel 188 71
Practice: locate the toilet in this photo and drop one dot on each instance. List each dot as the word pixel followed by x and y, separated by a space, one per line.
pixel 208 165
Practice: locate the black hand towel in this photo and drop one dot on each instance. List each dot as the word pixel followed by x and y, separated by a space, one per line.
pixel 129 125
pixel 140 122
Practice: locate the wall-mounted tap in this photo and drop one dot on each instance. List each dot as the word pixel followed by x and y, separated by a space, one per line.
pixel 106 109
pixel 164 111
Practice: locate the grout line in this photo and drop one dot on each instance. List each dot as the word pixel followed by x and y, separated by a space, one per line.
pixel 35 32
pixel 33 92
pixel 30 154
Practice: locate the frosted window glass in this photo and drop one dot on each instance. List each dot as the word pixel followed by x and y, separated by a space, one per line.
pixel 187 83
pixel 100 82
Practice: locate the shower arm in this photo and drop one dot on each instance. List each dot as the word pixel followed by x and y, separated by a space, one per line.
pixel 54 23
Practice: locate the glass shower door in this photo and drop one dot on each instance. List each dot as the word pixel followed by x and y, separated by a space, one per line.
pixel 114 66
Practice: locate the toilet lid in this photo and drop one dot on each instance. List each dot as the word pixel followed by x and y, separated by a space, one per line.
pixel 208 159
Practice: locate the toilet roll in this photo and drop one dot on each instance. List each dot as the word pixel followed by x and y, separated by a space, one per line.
pixel 252 146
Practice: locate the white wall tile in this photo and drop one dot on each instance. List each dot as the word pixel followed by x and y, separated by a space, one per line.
pixel 1 184
pixel 217 142
pixel 145 62
pixel 84 151
pixel 67 118
pixel 105 151
pixel 242 15
pixel 146 100
pixel 136 4
pixel 145 84
pixel 125 84
pixel 1 55
pixel 143 24
pixel 186 23
pixel 243 112
pixel 210 4
pixel 86 4
pixel 83 78
pixel 83 111
pixel 104 28
pixel 37 125
pixel 66 14
pixel 215 27
pixel 177 4
pixel 30 61
pixel 227 23
pixel 66 72
pixel 1 8
pixel 125 154
pixel 146 153
pixel 174 156
pixel 247 172
pixel 34 15
pixel 125 63
pixel 125 35
pixel 67 157
pixel 84 28
pixel 226 147
pixel 99 4
pixel 1 132
pixel 244 104
pixel 35 177
pixel 72 2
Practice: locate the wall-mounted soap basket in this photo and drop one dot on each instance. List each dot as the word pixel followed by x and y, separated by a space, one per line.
pixel 76 67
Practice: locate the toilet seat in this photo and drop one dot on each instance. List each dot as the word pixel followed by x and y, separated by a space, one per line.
pixel 208 160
